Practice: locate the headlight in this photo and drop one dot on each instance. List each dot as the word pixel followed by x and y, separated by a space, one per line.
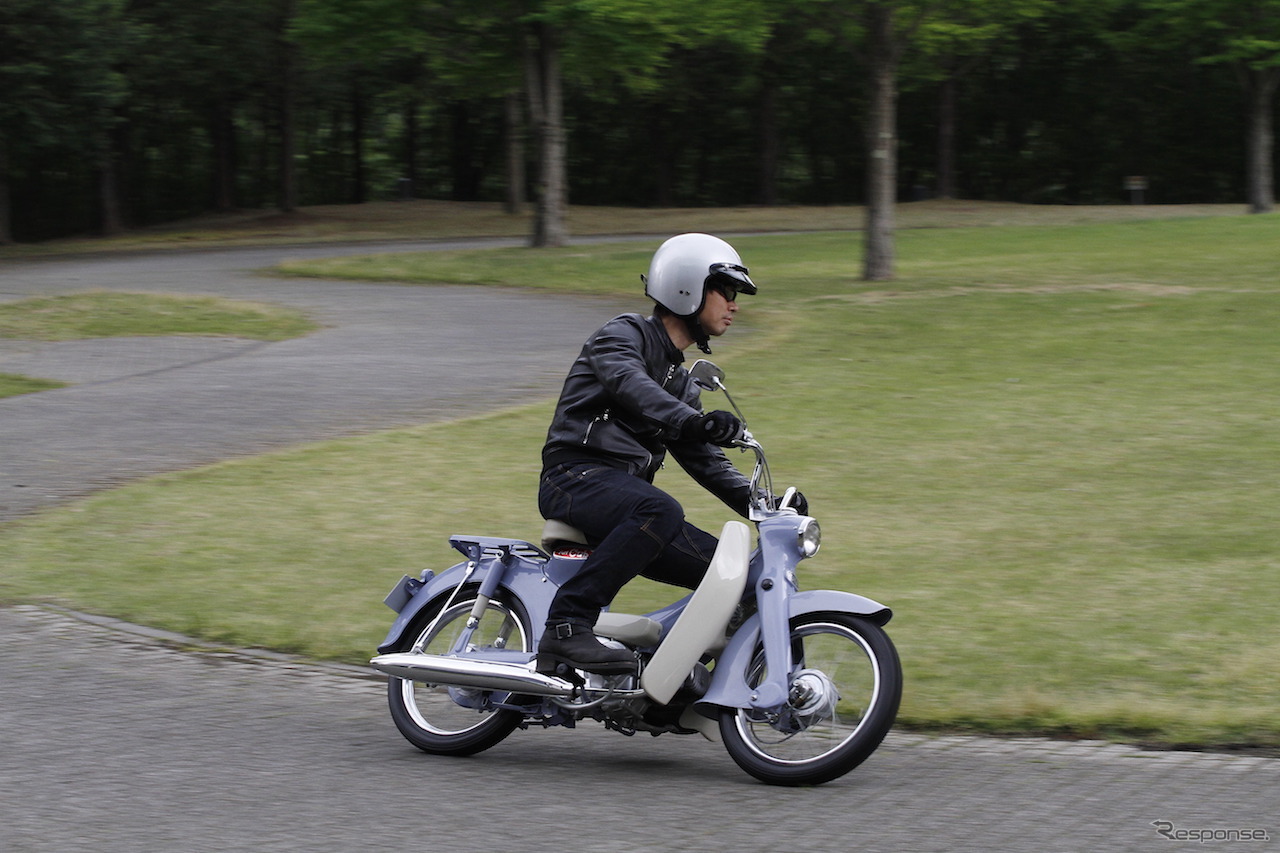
pixel 810 538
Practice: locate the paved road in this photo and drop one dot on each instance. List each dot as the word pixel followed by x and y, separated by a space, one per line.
pixel 116 738
pixel 117 741
pixel 388 356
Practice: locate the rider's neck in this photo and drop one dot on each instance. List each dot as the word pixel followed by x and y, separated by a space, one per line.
pixel 678 331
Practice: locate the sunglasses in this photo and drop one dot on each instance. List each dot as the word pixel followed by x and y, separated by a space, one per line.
pixel 730 280
pixel 728 291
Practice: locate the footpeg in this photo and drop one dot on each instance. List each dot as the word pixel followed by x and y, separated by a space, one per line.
pixel 560 669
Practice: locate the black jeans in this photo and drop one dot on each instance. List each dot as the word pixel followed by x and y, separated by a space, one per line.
pixel 637 529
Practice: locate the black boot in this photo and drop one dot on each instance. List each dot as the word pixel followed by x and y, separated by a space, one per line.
pixel 575 644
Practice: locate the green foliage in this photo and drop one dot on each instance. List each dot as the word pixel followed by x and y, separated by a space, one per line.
pixel 360 31
pixel 712 103
pixel 960 31
pixel 1244 32
pixel 60 80
pixel 632 40
pixel 188 51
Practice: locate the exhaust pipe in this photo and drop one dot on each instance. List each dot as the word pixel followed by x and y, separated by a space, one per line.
pixel 470 672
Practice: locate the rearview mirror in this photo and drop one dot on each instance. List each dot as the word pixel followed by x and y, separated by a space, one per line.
pixel 707 375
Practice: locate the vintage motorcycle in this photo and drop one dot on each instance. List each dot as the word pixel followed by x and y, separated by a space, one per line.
pixel 800 686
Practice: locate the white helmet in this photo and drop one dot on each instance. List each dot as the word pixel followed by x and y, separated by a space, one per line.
pixel 686 265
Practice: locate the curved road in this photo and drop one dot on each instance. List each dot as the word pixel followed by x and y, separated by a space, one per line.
pixel 117 738
pixel 388 356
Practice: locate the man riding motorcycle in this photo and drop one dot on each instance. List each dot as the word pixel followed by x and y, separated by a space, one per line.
pixel 626 403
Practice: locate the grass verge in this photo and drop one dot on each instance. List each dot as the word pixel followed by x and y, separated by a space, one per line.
pixel 11 385
pixel 1051 450
pixel 112 314
pixel 106 314
pixel 426 220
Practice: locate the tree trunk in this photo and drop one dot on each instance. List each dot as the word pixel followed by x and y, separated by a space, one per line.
pixel 359 189
pixel 546 108
pixel 288 188
pixel 288 168
pixel 515 155
pixel 222 131
pixel 467 174
pixel 110 209
pixel 666 153
pixel 882 164
pixel 947 138
pixel 410 149
pixel 770 142
pixel 6 214
pixel 1261 143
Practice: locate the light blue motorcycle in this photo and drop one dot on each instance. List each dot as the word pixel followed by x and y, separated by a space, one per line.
pixel 799 686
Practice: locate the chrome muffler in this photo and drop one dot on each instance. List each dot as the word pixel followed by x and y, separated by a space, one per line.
pixel 471 672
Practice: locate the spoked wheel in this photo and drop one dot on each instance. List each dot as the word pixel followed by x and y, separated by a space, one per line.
pixel 845 686
pixel 456 720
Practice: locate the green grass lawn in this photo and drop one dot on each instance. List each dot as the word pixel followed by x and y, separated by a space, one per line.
pixel 106 314
pixel 1052 450
pixel 11 385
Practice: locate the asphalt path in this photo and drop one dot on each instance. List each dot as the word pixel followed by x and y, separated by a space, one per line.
pixel 119 738
pixel 388 356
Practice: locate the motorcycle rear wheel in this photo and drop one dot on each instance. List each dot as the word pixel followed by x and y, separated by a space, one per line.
pixel 437 719
pixel 846 686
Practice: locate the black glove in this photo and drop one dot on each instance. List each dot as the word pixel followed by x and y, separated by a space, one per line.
pixel 722 428
pixel 798 502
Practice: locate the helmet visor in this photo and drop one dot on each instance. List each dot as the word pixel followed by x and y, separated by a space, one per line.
pixel 730 280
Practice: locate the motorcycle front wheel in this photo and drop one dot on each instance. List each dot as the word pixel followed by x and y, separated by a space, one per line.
pixel 845 686
pixel 453 720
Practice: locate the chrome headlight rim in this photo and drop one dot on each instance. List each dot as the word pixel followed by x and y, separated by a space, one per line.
pixel 809 537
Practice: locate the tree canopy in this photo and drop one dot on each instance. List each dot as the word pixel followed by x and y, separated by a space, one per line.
pixel 120 113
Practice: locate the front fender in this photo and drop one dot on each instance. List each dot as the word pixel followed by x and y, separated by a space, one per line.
pixel 729 688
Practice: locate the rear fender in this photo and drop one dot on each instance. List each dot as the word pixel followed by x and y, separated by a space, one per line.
pixel 525 584
pixel 410 596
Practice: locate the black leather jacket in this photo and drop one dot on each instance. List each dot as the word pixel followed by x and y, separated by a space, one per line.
pixel 623 404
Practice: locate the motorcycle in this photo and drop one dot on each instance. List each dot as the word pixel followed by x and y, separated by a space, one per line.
pixel 799 686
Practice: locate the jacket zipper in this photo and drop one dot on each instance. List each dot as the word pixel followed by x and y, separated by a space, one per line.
pixel 603 417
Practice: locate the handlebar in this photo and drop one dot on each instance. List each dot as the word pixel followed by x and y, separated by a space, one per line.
pixel 761 479
pixel 711 378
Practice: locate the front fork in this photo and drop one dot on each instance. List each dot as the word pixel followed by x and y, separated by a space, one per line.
pixel 774 585
pixel 775 632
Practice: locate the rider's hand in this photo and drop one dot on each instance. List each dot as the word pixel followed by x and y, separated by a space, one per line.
pixel 798 502
pixel 721 428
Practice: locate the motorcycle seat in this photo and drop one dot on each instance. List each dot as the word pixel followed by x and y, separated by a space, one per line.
pixel 556 532
pixel 635 630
